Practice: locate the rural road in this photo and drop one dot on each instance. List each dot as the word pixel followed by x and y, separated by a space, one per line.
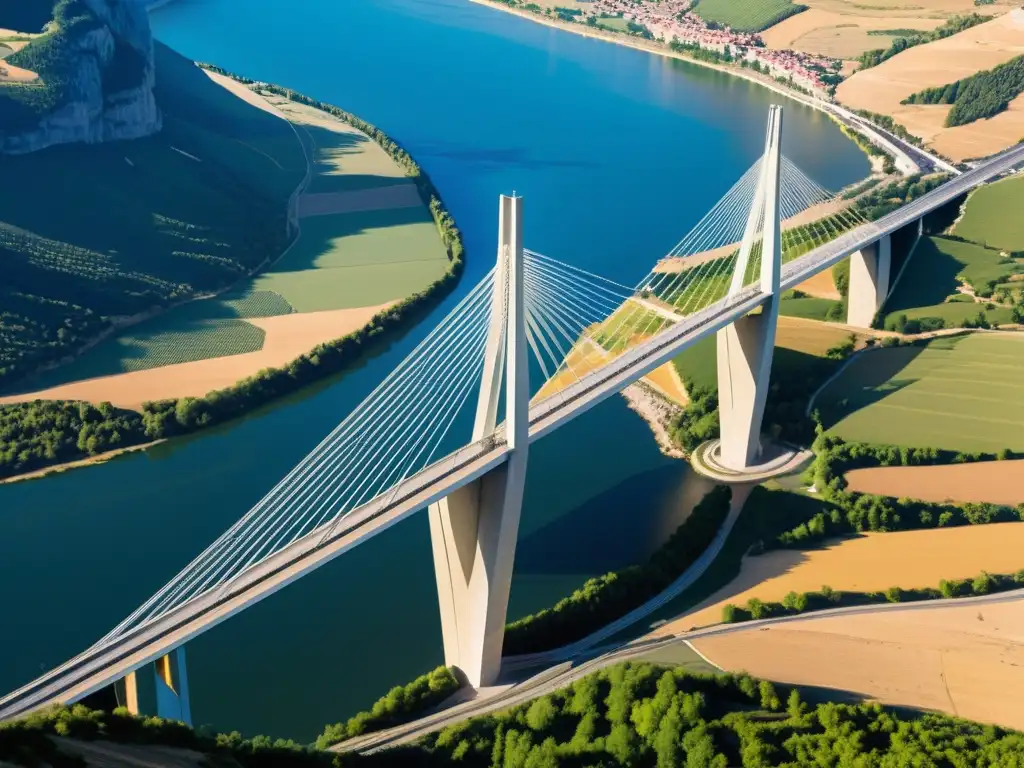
pixel 568 672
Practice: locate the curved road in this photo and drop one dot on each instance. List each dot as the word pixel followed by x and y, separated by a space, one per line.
pixel 565 674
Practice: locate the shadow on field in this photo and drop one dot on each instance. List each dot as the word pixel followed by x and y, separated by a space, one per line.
pixel 868 380
pixel 932 279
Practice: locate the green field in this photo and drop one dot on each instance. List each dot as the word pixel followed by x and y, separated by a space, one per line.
pixel 809 307
pixel 358 260
pixel 928 289
pixel 993 216
pixel 962 394
pixel 749 15
pixel 94 232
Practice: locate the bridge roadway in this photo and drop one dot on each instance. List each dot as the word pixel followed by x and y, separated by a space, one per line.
pixel 102 665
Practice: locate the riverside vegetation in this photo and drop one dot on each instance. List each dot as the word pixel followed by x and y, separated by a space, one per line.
pixel 176 417
pixel 603 599
pixel 633 714
pixel 636 714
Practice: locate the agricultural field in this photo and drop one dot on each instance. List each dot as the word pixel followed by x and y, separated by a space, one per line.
pixel 366 240
pixel 940 265
pixel 963 393
pixel 993 215
pixel 808 307
pixel 629 325
pixel 884 88
pixel 109 231
pixel 750 16
pixel 358 259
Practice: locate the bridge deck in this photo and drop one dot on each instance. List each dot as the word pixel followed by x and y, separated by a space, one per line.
pixel 101 666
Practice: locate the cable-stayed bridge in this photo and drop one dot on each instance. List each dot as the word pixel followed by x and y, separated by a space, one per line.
pixel 589 337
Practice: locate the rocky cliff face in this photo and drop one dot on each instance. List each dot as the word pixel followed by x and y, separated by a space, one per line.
pixel 97 107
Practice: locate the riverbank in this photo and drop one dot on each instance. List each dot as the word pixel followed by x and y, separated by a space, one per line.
pixel 299 348
pixel 650 46
pixel 657 411
pixel 99 458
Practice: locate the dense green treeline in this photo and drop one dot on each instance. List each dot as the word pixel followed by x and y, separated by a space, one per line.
pixel 639 715
pixel 801 602
pixel 898 45
pixel 173 417
pixel 602 600
pixel 400 705
pixel 980 96
pixel 42 433
pixel 646 716
pixel 28 742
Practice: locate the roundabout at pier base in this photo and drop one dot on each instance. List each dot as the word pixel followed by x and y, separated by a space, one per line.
pixel 776 459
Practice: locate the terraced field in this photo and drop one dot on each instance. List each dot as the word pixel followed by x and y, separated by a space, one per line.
pixel 962 394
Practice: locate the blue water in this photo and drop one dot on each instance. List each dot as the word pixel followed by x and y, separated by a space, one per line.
pixel 617 154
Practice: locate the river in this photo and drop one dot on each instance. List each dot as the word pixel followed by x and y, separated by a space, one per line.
pixel 617 154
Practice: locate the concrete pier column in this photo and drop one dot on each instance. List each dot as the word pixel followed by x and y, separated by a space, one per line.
pixel 473 531
pixel 170 696
pixel 869 282
pixel 745 347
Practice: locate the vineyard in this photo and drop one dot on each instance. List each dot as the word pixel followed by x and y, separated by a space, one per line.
pixel 90 234
pixel 747 16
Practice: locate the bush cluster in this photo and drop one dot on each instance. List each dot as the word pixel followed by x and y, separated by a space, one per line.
pixel 45 432
pixel 400 705
pixel 609 597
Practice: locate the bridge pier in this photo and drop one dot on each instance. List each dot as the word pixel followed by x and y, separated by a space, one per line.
pixel 473 530
pixel 746 346
pixel 170 681
pixel 869 282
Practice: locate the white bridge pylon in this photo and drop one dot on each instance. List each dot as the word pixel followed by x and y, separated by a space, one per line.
pixel 473 531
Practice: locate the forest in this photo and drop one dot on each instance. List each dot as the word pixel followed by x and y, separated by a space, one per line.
pixel 638 714
pixel 978 97
pixel 43 433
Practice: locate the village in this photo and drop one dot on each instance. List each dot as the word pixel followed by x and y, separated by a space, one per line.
pixel 673 20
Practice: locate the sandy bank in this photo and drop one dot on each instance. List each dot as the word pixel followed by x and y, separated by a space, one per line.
pixel 868 563
pixel 287 337
pixel 996 482
pixel 967 661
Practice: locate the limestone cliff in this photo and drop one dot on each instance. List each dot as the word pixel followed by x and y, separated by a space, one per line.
pixel 107 88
